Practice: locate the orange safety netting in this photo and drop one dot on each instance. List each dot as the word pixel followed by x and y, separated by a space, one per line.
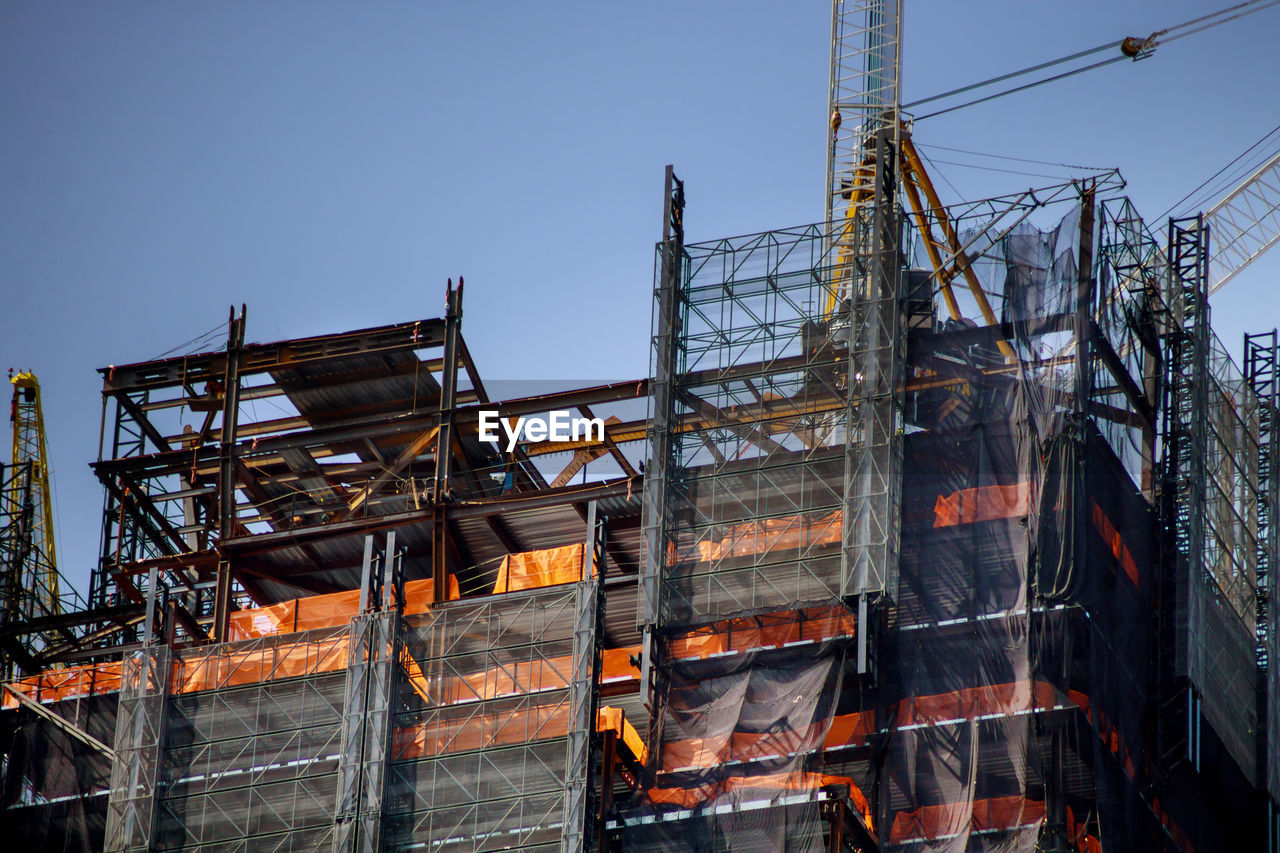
pixel 688 798
pixel 698 753
pixel 489 728
pixel 788 533
pixel 258 664
pixel 983 503
pixel 323 611
pixel 995 813
pixel 67 683
pixel 1115 542
pixel 533 569
pixel 515 678
pixel 772 630
pixel 238 667
pixel 970 702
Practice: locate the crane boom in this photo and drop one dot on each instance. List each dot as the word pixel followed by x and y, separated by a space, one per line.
pixel 1244 224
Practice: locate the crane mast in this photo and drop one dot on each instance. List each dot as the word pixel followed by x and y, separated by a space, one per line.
pixel 866 62
pixel 29 579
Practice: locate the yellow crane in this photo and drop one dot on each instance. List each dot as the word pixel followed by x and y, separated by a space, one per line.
pixel 863 104
pixel 29 583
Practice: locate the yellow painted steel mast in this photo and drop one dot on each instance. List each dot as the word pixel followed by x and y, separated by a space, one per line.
pixel 30 560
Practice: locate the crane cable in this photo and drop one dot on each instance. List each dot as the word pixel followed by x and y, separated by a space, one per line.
pixel 1131 48
pixel 1181 203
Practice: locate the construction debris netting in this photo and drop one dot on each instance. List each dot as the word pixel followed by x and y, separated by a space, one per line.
pixel 1025 565
pixel 1000 710
pixel 990 693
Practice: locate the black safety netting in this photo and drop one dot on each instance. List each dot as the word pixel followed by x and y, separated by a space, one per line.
pixel 56 785
pixel 1006 704
pixel 740 752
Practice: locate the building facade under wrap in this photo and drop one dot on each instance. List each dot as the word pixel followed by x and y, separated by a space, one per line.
pixel 862 565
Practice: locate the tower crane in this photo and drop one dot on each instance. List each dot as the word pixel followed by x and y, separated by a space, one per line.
pixel 865 106
pixel 28 562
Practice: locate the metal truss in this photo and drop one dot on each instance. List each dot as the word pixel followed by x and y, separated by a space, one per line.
pixel 1261 361
pixel 366 732
pixel 1214 490
pixel 777 417
pixel 1245 223
pixel 866 63
pixel 496 702
pixel 139 743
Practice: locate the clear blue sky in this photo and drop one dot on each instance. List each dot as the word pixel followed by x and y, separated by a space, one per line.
pixel 332 163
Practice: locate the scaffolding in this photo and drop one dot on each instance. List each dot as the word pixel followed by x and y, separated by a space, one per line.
pixel 866 574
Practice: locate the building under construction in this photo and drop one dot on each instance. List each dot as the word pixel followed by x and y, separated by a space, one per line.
pixel 933 528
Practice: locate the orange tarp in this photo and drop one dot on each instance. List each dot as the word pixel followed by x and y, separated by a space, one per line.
pixel 787 533
pixel 614 718
pixel 236 667
pixel 983 503
pixel 500 728
pixel 334 610
pixel 802 781
pixel 239 667
pixel 971 702
pixel 845 730
pixel 533 569
pixel 739 746
pixel 67 683
pixel 850 729
pixel 616 665
pixel 776 629
pixel 857 727
pixel 953 818
pixel 322 611
pixel 1112 537
pixel 515 678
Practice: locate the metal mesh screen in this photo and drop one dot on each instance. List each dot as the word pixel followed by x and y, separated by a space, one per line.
pixel 253 765
pixel 783 419
pixel 485 753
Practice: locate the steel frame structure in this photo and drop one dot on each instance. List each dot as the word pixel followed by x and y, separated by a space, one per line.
pixel 474 723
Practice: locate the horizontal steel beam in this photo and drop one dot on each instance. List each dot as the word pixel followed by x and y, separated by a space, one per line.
pixel 261 358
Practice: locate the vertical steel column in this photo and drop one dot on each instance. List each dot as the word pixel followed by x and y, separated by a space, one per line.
pixel 581 805
pixel 367 707
pixel 1085 288
pixel 1262 358
pixel 139 746
pixel 1186 442
pixel 656 502
pixel 227 473
pixel 873 450
pixel 120 538
pixel 444 445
